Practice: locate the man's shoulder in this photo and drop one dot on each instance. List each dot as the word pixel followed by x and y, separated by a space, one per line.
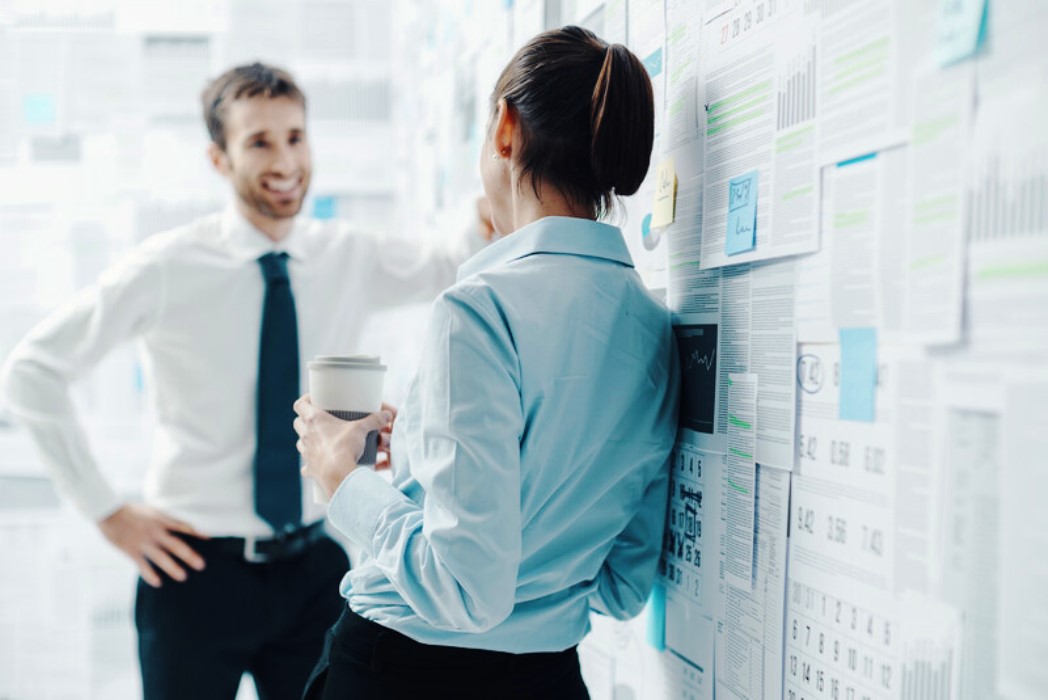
pixel 334 236
pixel 197 235
pixel 327 230
pixel 203 232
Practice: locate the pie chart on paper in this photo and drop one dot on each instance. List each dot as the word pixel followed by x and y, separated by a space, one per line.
pixel 649 238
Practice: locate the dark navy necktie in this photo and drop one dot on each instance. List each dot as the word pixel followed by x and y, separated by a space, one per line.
pixel 278 485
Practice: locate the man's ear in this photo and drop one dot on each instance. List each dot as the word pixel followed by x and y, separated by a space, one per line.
pixel 219 159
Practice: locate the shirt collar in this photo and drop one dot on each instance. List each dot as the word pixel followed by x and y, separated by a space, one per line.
pixel 246 242
pixel 553 234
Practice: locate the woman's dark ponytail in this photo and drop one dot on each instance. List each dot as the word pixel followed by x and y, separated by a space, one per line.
pixel 587 116
pixel 622 125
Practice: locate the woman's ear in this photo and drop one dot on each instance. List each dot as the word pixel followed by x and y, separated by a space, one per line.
pixel 504 135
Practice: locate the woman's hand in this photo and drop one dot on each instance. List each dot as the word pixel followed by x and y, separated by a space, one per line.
pixel 330 447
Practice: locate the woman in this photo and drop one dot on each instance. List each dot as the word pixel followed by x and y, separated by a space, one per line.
pixel 530 477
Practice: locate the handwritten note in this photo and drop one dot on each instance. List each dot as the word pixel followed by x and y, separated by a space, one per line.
pixel 961 29
pixel 665 194
pixel 742 213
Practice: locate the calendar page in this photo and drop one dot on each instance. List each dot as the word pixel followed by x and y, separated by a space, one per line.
pixel 688 564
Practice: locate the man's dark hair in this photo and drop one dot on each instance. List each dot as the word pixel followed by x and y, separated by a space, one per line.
pixel 253 80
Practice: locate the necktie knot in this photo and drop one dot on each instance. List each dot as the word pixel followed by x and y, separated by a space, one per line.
pixel 274 267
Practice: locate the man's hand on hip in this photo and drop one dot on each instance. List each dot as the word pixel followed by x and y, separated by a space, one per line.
pixel 148 537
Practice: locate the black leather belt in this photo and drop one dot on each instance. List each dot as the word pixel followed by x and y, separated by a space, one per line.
pixel 258 550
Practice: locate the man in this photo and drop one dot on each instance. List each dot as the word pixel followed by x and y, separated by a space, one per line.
pixel 237 574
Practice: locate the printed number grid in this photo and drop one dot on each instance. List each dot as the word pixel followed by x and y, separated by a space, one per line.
pixel 837 650
pixel 680 565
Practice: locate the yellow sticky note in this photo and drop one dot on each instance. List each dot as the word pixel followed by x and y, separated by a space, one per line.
pixel 665 194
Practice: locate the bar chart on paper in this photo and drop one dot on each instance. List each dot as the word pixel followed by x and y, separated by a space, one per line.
pixel 927 678
pixel 1009 196
pixel 1008 170
pixel 796 91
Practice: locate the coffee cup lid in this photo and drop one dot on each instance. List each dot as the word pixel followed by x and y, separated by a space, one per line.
pixel 355 361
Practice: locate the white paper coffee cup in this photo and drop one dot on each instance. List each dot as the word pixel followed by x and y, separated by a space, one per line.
pixel 348 387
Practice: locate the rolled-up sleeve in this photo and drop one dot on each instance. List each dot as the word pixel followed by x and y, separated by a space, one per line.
pixel 454 559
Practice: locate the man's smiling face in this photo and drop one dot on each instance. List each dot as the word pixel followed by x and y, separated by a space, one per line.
pixel 267 157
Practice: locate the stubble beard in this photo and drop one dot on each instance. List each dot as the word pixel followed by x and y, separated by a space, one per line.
pixel 253 195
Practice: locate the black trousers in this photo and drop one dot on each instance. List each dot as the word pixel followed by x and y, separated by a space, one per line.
pixel 363 660
pixel 197 638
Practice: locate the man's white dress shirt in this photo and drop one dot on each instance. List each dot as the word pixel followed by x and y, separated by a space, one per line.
pixel 192 298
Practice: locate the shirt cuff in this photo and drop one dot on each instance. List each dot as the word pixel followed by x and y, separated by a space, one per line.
pixel 357 505
pixel 95 498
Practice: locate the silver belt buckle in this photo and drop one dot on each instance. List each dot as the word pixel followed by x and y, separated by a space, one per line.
pixel 250 554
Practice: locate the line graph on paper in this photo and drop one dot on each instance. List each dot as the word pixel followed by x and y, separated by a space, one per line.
pixel 699 360
pixel 697 346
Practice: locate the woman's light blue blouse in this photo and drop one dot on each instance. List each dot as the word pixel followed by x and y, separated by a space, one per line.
pixel 530 456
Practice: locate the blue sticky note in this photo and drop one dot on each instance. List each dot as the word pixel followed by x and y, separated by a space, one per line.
pixel 961 29
pixel 324 207
pixel 653 63
pixel 742 213
pixel 39 109
pixel 858 374
pixel 657 617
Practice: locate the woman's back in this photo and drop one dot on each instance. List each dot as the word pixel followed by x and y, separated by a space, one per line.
pixel 597 389
pixel 560 378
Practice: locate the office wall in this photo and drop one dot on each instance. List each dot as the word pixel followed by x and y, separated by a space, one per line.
pixel 885 337
pixel 858 268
